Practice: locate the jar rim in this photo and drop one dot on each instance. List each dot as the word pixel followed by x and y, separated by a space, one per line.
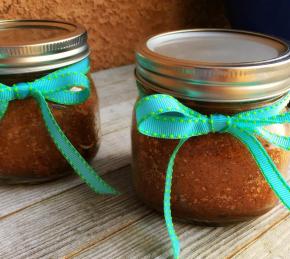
pixel 215 81
pixel 40 45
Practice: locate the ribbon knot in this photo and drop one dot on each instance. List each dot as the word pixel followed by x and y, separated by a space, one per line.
pixel 21 91
pixel 220 123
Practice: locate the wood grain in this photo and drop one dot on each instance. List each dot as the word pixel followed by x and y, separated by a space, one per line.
pixel 65 219
pixel 148 238
pixel 274 243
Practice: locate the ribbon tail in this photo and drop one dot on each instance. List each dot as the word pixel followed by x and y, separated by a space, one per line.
pixel 166 201
pixel 266 165
pixel 3 109
pixel 277 140
pixel 77 162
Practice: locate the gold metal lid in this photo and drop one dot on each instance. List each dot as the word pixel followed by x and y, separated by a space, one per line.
pixel 36 45
pixel 215 65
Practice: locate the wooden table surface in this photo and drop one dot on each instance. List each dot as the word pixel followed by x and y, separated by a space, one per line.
pixel 65 219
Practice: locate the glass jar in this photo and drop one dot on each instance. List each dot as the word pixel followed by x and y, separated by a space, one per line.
pixel 215 178
pixel 30 50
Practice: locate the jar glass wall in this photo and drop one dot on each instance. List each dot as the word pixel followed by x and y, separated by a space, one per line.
pixel 27 152
pixel 216 72
pixel 215 179
pixel 51 58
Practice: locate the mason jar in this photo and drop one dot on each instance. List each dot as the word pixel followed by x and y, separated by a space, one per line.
pixel 31 49
pixel 215 178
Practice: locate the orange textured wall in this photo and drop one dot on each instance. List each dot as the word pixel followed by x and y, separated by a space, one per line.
pixel 116 26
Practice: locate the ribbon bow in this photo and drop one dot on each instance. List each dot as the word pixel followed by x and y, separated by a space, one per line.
pixel 162 116
pixel 57 87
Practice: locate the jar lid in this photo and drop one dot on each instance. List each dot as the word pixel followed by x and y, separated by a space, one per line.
pixel 215 65
pixel 36 45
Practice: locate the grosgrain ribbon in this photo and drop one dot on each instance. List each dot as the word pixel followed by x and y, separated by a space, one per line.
pixel 163 116
pixel 57 87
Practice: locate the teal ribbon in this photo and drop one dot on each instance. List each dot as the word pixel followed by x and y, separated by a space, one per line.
pixel 57 87
pixel 162 116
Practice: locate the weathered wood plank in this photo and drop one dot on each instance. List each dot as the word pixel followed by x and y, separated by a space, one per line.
pixel 148 238
pixel 107 77
pixel 115 96
pixel 115 85
pixel 118 116
pixel 229 239
pixel 73 219
pixel 80 224
pixel 196 241
pixel 274 243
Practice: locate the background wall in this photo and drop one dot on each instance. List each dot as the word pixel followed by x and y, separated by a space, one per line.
pixel 116 26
